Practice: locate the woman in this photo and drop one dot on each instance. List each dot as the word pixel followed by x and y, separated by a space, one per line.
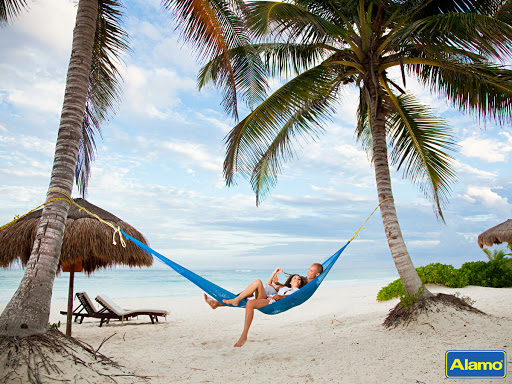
pixel 258 298
pixel 271 288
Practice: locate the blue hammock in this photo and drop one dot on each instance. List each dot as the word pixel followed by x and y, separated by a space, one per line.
pixel 219 293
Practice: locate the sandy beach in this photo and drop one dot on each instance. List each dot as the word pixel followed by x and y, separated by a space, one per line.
pixel 335 337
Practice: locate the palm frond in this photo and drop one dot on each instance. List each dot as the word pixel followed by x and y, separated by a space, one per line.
pixel 110 44
pixel 293 22
pixel 436 7
pixel 364 124
pixel 467 31
pixel 288 58
pixel 480 88
pixel 249 73
pixel 340 12
pixel 213 27
pixel 297 101
pixel 304 123
pixel 504 12
pixel 421 146
pixel 10 9
pixel 87 149
pixel 281 58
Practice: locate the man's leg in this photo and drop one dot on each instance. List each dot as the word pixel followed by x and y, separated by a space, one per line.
pixel 212 302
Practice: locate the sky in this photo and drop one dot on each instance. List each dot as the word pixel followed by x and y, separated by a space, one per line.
pixel 159 163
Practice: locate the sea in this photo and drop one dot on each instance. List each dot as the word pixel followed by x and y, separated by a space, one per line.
pixel 125 283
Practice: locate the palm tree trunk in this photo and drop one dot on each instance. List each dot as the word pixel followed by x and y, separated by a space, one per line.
pixel 29 309
pixel 410 279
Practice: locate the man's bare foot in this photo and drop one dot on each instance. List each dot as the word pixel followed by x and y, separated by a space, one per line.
pixel 211 302
pixel 234 301
pixel 240 342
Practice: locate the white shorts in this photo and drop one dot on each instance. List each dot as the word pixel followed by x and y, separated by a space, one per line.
pixel 269 291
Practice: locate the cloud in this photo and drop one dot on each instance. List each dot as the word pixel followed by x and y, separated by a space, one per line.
pixel 324 197
pixel 195 153
pixel 217 120
pixel 487 197
pixel 150 31
pixel 28 144
pixel 423 243
pixel 332 193
pixel 473 172
pixel 479 218
pixel 488 149
pixel 50 22
pixel 154 92
pixel 46 96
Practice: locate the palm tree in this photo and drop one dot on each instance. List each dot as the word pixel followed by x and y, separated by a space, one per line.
pixel 90 73
pixel 92 89
pixel 322 46
pixel 496 254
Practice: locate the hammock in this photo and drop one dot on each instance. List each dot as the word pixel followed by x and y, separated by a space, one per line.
pixel 219 293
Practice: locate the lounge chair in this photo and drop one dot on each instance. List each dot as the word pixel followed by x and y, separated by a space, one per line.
pixel 110 307
pixel 86 309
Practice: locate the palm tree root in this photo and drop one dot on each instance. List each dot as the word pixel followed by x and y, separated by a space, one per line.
pixel 53 357
pixel 402 315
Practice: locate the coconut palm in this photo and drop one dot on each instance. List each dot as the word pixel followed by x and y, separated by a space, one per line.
pixel 497 254
pixel 92 89
pixel 320 47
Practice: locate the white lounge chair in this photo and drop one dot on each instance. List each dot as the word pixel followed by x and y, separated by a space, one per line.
pixel 115 311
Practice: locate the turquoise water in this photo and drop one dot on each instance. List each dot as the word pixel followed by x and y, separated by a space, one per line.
pixel 140 283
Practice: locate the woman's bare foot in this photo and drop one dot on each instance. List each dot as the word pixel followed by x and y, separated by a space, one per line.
pixel 240 342
pixel 233 302
pixel 211 302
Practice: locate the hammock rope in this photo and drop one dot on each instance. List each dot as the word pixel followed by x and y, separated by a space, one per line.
pixel 117 230
pixel 215 291
pixel 219 293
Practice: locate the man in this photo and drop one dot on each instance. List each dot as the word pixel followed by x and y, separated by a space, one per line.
pixel 314 270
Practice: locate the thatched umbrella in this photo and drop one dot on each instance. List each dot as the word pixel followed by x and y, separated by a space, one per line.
pixel 87 244
pixel 502 233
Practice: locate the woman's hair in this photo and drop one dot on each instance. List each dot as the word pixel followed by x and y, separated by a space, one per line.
pixel 288 282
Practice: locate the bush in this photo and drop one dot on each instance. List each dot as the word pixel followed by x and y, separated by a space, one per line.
pixel 394 289
pixel 495 273
pixel 437 273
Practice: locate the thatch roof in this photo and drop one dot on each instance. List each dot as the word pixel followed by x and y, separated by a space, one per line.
pixel 502 233
pixel 85 239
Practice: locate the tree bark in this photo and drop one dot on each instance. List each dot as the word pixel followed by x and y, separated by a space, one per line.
pixel 28 311
pixel 410 279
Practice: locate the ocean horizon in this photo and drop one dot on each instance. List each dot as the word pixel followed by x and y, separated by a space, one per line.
pixel 124 283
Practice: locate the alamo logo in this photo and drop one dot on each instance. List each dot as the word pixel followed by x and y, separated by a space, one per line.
pixel 476 364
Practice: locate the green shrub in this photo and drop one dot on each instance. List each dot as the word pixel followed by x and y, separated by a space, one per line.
pixel 437 273
pixel 494 273
pixel 394 289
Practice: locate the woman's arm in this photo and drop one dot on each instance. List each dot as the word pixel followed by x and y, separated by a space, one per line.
pixel 273 276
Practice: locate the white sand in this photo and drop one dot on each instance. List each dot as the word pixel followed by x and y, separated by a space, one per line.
pixel 335 337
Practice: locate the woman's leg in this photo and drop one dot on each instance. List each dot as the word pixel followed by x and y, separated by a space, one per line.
pixel 255 286
pixel 249 315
